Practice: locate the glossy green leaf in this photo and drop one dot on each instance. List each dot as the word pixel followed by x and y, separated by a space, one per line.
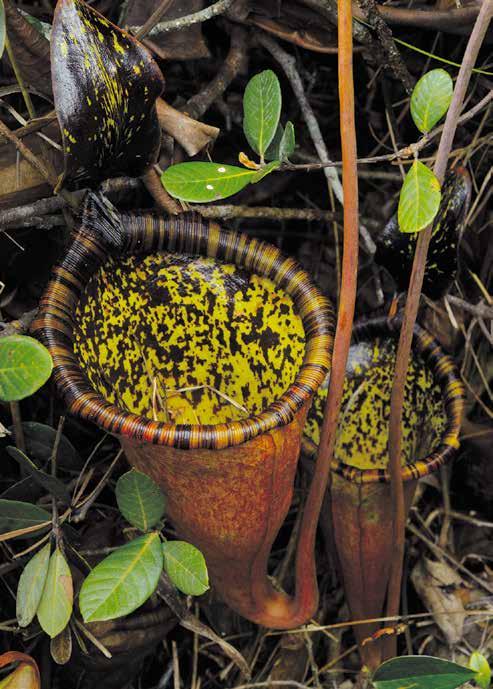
pixel 431 99
pixel 205 182
pixel 2 28
pixel 288 142
pixel 31 585
pixel 185 566
pixel 419 200
pixel 481 667
pixel 25 365
pixel 420 672
pixel 47 481
pixel 16 515
pixel 56 604
pixel 123 581
pixel 262 102
pixel 265 170
pixel 139 499
pixel 105 85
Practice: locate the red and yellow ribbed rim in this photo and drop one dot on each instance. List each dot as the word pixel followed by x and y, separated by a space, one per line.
pixel 103 234
pixel 445 375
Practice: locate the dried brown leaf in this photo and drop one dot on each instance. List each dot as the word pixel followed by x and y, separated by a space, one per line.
pixel 438 586
pixel 31 50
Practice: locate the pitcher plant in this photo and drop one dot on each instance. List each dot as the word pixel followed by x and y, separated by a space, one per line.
pixel 359 513
pixel 200 349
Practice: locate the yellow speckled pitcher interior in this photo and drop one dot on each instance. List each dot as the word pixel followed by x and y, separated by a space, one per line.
pixel 187 339
pixel 362 436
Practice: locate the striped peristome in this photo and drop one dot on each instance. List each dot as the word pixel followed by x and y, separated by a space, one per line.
pixel 252 306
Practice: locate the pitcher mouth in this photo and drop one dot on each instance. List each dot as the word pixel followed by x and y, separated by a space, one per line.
pixel 187 235
pixel 432 411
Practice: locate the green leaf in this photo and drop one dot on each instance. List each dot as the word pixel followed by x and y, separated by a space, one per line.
pixel 185 566
pixel 262 102
pixel 205 182
pixel 139 499
pixel 265 170
pixel 31 585
pixel 419 200
pixel 16 515
pixel 123 581
pixel 25 365
pixel 57 600
pixel 482 670
pixel 431 99
pixel 420 672
pixel 288 142
pixel 2 28
pixel 283 143
pixel 46 481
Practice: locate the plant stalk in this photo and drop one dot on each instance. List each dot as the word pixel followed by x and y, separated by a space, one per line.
pixel 15 412
pixel 347 301
pixel 410 314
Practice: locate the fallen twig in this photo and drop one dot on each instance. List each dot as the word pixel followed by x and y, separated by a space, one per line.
pixel 153 20
pixel 226 212
pixel 480 310
pixel 214 10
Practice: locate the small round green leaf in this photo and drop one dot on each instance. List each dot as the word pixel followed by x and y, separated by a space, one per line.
pixel 16 515
pixel 139 499
pixel 431 99
pixel 481 667
pixel 420 672
pixel 262 102
pixel 2 28
pixel 25 365
pixel 205 182
pixel 185 566
pixel 57 599
pixel 419 200
pixel 123 581
pixel 31 585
